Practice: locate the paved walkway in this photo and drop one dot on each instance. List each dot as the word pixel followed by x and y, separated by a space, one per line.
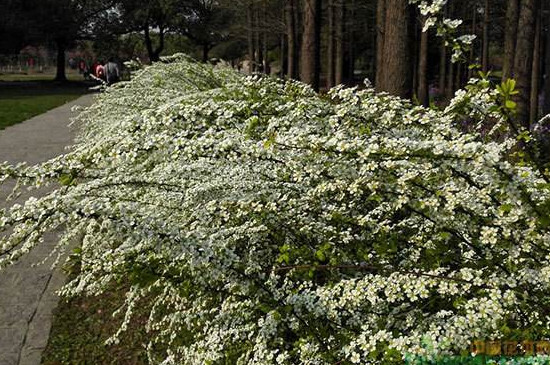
pixel 27 295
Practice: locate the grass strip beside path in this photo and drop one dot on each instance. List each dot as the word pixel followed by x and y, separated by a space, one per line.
pixel 20 101
pixel 81 326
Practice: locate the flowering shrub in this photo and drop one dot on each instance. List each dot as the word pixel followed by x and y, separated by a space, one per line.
pixel 483 360
pixel 262 223
pixel 433 11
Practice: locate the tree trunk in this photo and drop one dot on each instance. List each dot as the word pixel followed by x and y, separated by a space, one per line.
pixel 160 47
pixel 309 62
pixel 339 42
pixel 265 59
pixel 510 34
pixel 442 67
pixel 149 44
pixel 450 90
pixel 415 50
pixel 523 60
pixel 282 45
pixel 442 63
pixel 423 96
pixel 205 51
pixel 380 31
pixel 265 62
pixel 258 59
pixel 330 45
pixel 458 76
pixel 60 62
pixel 472 48
pixel 318 21
pixel 351 43
pixel 250 38
pixel 396 78
pixel 535 74
pixel 292 57
pixel 153 53
pixel 546 105
pixel 485 51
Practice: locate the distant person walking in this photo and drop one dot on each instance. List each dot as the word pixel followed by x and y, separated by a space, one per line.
pixel 112 73
pixel 82 67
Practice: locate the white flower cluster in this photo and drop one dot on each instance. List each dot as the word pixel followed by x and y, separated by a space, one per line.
pixel 434 17
pixel 261 223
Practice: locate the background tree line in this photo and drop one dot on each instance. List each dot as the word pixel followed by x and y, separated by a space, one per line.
pixel 321 42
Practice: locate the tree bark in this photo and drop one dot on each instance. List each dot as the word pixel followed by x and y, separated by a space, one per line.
pixel 485 51
pixel 414 40
pixel 339 42
pixel 292 54
pixel 523 60
pixel 510 34
pixel 310 50
pixel 442 67
pixel 60 62
pixel 396 78
pixel 535 74
pixel 282 45
pixel 160 47
pixel 442 63
pixel 149 44
pixel 458 75
pixel 258 59
pixel 330 45
pixel 318 20
pixel 472 48
pixel 265 59
pixel 380 31
pixel 351 43
pixel 450 89
pixel 250 38
pixel 153 53
pixel 546 105
pixel 205 50
pixel 423 96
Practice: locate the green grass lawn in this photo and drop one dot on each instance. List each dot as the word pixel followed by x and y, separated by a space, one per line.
pixel 21 100
pixel 49 75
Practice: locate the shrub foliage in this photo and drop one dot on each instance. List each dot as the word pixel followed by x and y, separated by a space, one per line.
pixel 262 223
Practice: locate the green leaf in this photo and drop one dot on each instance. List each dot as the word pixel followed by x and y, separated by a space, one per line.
pixel 270 141
pixel 511 104
pixel 284 258
pixel 523 136
pixel 66 179
pixel 505 208
pixel 544 221
pixel 320 255
pixel 264 308
pixel 253 124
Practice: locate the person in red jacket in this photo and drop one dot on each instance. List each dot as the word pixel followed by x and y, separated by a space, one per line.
pixel 98 70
